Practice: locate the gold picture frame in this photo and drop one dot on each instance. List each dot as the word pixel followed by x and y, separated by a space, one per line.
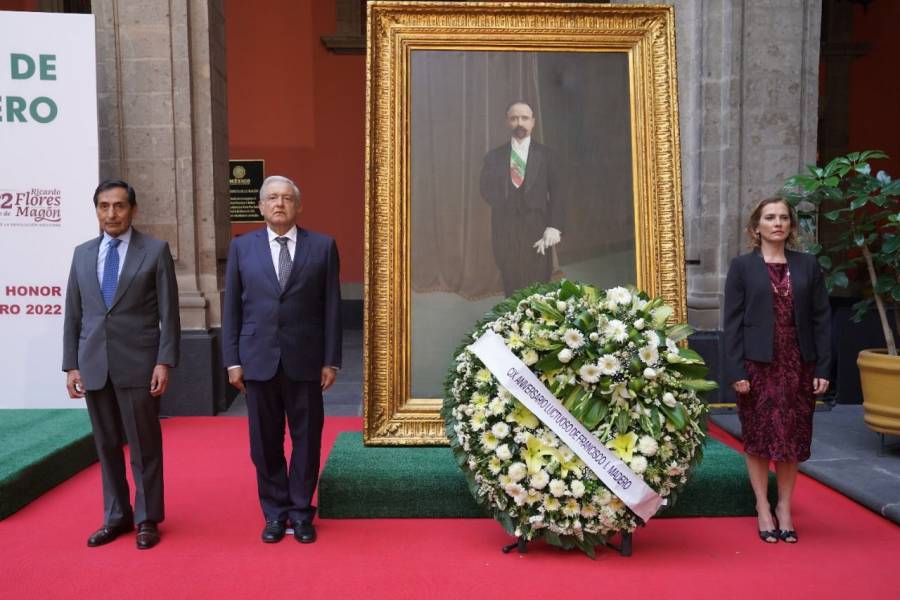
pixel 641 36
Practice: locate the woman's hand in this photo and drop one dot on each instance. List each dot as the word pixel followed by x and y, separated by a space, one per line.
pixel 820 386
pixel 743 386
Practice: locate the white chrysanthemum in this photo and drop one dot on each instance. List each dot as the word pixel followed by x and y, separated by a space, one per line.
pixel 533 497
pixel 616 330
pixel 514 341
pixel 489 441
pixel 571 507
pixel 647 445
pixel 588 511
pixel 669 399
pixel 529 357
pixel 478 420
pixel 577 488
pixel 516 492
pixel 619 295
pixel 480 399
pixel 574 339
pixel 483 376
pixel 638 464
pixel 652 338
pixel 500 430
pixel 539 480
pixel 558 487
pixel 608 364
pixel 504 394
pixel 589 373
pixel 495 465
pixel 565 355
pixel 550 502
pixel 497 406
pixel 649 355
pixel 503 452
pixel 517 472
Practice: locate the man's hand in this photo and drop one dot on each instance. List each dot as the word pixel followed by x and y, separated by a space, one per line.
pixel 236 378
pixel 820 386
pixel 159 381
pixel 741 387
pixel 329 374
pixel 74 385
pixel 551 237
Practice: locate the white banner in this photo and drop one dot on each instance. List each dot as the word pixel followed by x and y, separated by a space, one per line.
pixel 48 172
pixel 527 388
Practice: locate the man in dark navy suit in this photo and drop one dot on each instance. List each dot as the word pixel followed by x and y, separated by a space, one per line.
pixel 281 332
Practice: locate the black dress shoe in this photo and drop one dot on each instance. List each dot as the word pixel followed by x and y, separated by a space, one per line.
pixel 108 533
pixel 273 532
pixel 304 533
pixel 147 535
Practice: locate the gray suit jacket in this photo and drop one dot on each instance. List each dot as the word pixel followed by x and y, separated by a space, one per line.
pixel 142 328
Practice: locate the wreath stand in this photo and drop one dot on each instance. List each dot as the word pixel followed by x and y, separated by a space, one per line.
pixel 624 548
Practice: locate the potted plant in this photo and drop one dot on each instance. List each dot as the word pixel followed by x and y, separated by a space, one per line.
pixel 846 193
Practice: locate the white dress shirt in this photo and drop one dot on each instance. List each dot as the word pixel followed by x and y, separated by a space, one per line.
pixel 275 247
pixel 104 249
pixel 522 147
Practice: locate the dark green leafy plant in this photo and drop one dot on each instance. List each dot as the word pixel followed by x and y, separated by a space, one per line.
pixel 869 207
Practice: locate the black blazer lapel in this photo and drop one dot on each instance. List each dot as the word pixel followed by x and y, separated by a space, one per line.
pixel 534 164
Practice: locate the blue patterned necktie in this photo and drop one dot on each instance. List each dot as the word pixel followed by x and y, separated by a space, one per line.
pixel 110 272
pixel 284 262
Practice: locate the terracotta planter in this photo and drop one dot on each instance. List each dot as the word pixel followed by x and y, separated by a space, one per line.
pixel 880 377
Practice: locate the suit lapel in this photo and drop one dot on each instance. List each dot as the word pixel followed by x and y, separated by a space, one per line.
pixel 134 257
pixel 533 166
pixel 89 264
pixel 301 254
pixel 264 257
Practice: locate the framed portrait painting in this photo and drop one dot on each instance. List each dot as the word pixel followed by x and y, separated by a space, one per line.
pixel 507 144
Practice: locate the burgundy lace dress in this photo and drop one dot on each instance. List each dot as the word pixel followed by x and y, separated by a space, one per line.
pixel 777 415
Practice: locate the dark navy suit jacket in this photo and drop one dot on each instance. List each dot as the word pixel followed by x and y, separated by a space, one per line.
pixel 750 313
pixel 299 327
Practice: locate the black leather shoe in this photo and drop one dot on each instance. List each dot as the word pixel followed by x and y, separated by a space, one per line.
pixel 147 535
pixel 273 531
pixel 108 533
pixel 304 533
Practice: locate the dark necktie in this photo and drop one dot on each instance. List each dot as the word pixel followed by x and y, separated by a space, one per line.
pixel 110 271
pixel 284 262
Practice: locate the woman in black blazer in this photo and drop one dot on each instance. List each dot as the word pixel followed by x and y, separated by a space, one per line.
pixel 777 356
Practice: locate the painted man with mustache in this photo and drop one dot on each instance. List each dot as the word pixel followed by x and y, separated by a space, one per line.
pixel 521 182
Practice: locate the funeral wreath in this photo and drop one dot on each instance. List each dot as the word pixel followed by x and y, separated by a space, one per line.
pixel 614 362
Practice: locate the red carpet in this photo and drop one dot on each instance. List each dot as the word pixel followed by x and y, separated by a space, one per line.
pixel 211 546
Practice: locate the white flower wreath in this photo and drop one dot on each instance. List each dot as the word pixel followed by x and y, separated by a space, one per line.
pixel 610 357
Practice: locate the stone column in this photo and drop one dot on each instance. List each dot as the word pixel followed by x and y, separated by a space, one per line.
pixel 163 128
pixel 748 96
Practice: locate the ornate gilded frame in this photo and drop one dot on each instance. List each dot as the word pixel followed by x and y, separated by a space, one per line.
pixel 646 34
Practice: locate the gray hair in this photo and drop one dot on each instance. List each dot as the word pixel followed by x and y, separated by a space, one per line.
pixel 279 179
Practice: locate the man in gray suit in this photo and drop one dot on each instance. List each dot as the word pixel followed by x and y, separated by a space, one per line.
pixel 121 334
